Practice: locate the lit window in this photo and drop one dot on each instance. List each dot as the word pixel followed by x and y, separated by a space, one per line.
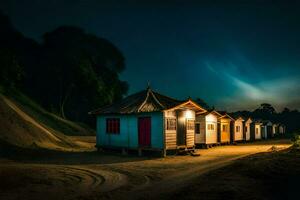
pixel 190 125
pixel 170 124
pixel 113 125
pixel 256 131
pixel 237 128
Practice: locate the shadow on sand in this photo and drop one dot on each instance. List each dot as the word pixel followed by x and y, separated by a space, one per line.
pixel 44 156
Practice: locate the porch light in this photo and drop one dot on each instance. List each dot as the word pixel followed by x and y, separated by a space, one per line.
pixel 188 114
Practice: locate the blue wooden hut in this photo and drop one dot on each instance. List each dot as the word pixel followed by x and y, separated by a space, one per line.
pixel 147 120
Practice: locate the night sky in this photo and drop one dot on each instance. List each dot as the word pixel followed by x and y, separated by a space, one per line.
pixel 234 55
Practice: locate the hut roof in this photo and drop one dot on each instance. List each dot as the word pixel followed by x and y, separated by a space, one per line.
pixel 237 116
pixel 266 122
pixel 257 121
pixel 224 114
pixel 214 112
pixel 143 101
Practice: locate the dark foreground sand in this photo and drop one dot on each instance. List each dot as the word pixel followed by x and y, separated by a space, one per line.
pixel 218 172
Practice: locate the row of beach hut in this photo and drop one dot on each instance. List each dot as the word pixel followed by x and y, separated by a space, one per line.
pixel 217 127
pixel 148 120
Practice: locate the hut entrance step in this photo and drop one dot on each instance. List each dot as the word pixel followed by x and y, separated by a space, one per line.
pixel 184 151
pixel 195 153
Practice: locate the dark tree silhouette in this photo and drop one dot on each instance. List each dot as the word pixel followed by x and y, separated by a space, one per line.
pixel 266 108
pixel 81 69
pixel 202 103
pixel 70 72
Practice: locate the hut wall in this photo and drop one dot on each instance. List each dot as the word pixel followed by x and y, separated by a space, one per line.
pixel 190 132
pixel 128 136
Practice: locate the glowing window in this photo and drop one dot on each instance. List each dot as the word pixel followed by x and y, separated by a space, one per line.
pixel 170 124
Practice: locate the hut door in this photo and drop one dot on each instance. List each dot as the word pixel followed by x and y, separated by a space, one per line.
pixel 181 129
pixel 144 131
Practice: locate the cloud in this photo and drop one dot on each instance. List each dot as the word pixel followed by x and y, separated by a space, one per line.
pixel 280 91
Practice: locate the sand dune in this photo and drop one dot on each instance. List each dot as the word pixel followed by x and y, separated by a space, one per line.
pixel 20 129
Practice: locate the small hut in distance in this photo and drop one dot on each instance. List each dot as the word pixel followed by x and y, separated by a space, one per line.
pixel 238 129
pixel 206 128
pixel 224 131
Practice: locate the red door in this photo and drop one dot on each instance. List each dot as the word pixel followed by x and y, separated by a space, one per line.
pixel 144 128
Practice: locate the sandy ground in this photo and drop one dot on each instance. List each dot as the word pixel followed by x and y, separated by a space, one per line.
pixel 265 176
pixel 94 175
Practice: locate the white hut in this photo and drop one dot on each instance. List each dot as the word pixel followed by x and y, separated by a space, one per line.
pixel 256 127
pixel 206 128
pixel 238 129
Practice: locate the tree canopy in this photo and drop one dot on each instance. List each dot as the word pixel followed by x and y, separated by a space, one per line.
pixel 70 72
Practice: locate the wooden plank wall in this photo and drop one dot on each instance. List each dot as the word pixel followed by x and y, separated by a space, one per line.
pixel 170 135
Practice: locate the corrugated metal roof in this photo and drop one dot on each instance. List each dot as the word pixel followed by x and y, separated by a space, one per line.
pixel 144 101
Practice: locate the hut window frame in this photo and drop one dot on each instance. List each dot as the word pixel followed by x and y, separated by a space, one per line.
pixel 237 129
pixel 171 124
pixel 190 125
pixel 210 127
pixel 113 125
pixel 224 127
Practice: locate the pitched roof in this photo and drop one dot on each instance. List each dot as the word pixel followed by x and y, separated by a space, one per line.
pixel 266 122
pixel 214 112
pixel 225 114
pixel 237 116
pixel 143 101
pixel 257 121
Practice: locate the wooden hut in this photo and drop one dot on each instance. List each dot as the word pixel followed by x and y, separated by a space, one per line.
pixel 266 129
pixel 206 128
pixel 247 129
pixel 147 120
pixel 238 129
pixel 255 130
pixel 224 131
